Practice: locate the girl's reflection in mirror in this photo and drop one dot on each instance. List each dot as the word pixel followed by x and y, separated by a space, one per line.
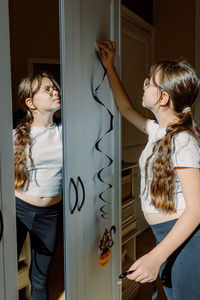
pixel 38 175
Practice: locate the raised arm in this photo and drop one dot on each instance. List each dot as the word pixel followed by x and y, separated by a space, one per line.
pixel 122 100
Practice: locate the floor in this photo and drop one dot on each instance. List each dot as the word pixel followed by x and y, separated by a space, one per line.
pixel 145 242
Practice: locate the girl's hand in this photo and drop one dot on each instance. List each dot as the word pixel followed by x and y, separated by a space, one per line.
pixel 107 51
pixel 146 269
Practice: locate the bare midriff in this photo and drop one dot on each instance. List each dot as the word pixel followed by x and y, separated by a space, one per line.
pixel 38 201
pixel 160 217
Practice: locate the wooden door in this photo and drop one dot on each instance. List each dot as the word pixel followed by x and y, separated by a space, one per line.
pixel 84 121
pixel 137 56
pixel 8 252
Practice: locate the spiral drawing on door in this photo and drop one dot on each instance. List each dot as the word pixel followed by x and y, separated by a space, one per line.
pixel 103 210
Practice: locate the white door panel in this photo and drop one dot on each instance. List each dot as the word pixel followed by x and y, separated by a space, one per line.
pixel 85 121
pixel 135 67
pixel 91 277
pixel 137 54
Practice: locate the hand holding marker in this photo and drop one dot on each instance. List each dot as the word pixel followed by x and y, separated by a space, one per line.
pixel 125 274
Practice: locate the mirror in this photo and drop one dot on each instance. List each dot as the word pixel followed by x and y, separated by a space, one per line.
pixel 34 37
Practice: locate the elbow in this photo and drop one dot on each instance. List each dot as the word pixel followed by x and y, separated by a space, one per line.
pixel 194 214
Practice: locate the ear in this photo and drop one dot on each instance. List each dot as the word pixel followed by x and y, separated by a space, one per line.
pixel 164 99
pixel 30 104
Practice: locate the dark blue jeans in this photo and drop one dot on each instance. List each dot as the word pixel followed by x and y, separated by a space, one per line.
pixel 180 274
pixel 42 224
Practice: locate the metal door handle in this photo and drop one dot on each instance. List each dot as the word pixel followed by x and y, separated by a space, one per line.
pixel 1 225
pixel 76 192
pixel 83 189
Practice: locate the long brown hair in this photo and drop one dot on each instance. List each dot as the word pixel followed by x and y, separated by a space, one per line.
pixel 27 88
pixel 181 82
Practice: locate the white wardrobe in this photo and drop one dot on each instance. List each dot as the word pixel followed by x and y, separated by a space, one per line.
pixel 85 121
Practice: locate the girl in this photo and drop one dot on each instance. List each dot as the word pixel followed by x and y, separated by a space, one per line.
pixel 170 176
pixel 38 175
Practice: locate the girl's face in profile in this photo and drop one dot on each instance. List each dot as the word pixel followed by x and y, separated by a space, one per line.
pixel 47 98
pixel 151 94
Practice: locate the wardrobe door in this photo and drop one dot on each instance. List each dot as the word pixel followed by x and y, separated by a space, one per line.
pixel 95 282
pixel 85 121
pixel 8 252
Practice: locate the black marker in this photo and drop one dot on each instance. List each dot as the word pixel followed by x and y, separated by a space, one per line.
pixel 125 274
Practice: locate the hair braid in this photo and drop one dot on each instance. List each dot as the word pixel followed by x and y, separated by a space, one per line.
pixel 162 185
pixel 22 139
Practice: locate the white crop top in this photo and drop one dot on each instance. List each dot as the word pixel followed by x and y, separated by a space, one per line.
pixel 186 154
pixel 46 174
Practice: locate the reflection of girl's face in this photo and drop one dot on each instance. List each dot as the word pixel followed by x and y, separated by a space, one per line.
pixel 151 93
pixel 47 98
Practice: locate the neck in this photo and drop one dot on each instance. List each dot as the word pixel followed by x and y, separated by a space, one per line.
pixel 165 118
pixel 45 121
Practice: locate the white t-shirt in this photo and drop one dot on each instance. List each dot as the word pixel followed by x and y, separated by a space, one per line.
pixel 46 174
pixel 186 154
